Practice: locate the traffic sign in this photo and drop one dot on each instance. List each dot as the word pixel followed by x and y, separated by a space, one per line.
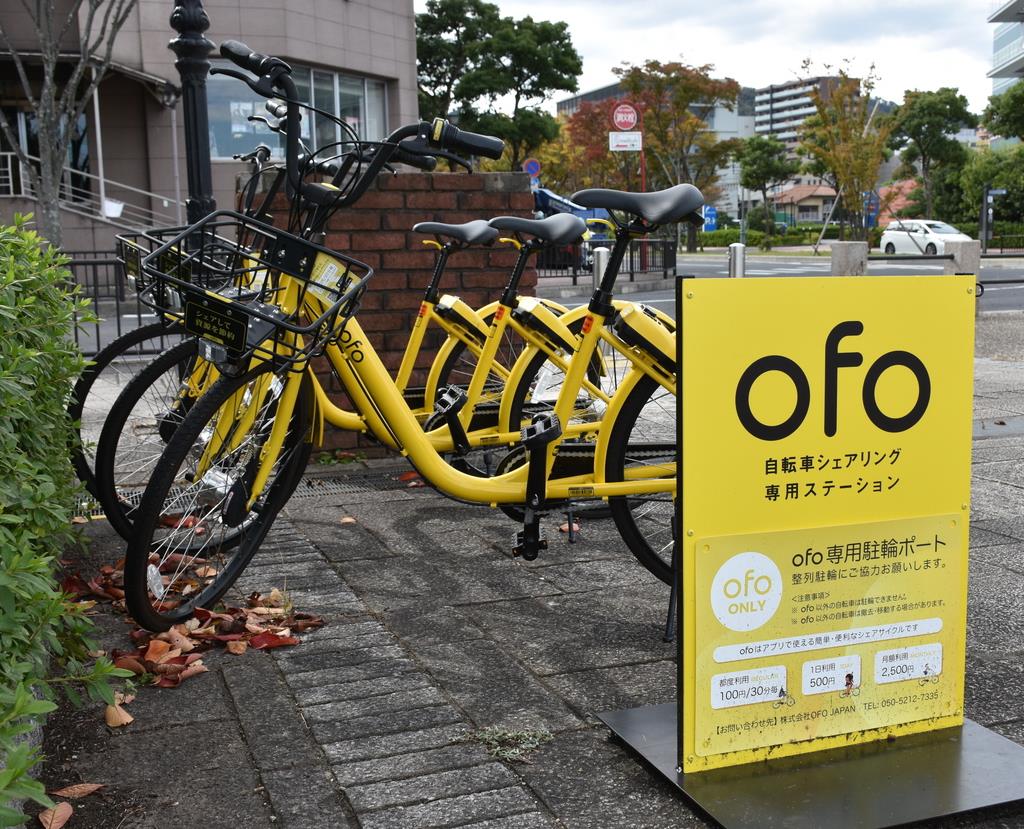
pixel 532 166
pixel 625 117
pixel 625 141
pixel 1000 192
pixel 710 217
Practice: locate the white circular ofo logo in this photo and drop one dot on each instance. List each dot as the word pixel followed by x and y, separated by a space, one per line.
pixel 746 591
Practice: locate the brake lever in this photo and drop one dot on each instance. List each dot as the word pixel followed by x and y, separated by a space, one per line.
pixel 419 146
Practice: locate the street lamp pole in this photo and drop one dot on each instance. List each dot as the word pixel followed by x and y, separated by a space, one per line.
pixel 192 49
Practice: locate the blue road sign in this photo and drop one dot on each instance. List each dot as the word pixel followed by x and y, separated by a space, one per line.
pixel 710 217
pixel 532 166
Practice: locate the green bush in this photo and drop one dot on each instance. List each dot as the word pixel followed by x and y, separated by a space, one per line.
pixel 727 236
pixel 43 638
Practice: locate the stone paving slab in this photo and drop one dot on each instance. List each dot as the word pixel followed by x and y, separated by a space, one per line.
pixel 434 632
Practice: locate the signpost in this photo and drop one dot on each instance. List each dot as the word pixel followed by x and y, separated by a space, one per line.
pixel 823 557
pixel 710 217
pixel 625 141
pixel 625 117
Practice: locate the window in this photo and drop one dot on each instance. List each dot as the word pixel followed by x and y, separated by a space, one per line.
pixel 360 102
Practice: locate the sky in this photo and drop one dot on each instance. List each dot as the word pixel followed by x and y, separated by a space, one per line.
pixel 914 44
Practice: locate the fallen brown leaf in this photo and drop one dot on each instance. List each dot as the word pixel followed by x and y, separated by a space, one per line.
pixel 116 717
pixel 348 519
pixel 77 790
pixel 57 816
pixel 565 527
pixel 79 519
pixel 267 640
pixel 408 476
pixel 206 572
pixel 237 648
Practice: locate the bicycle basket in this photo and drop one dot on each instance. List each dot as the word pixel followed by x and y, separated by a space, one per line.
pixel 131 247
pixel 256 289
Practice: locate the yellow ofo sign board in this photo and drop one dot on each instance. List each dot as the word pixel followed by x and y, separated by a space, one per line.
pixel 826 433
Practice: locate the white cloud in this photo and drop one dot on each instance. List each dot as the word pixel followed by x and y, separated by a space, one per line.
pixel 913 44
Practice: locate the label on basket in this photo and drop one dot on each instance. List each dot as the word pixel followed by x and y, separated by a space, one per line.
pixel 218 322
pixel 327 278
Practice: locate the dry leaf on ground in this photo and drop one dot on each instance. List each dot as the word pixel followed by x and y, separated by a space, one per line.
pixel 57 816
pixel 565 527
pixel 116 716
pixel 77 790
pixel 348 519
pixel 238 647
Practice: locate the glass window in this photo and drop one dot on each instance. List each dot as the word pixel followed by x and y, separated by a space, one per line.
pixel 360 102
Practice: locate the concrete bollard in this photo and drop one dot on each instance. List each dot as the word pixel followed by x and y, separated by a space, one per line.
pixel 966 257
pixel 849 258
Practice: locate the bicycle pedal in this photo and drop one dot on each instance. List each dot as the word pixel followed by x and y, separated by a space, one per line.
pixel 451 401
pixel 527 548
pixel 544 429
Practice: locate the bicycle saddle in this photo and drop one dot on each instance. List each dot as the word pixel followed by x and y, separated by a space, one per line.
pixel 560 229
pixel 658 208
pixel 470 233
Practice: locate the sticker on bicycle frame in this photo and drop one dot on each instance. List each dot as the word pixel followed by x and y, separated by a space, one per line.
pixel 826 429
pixel 326 281
pixel 217 321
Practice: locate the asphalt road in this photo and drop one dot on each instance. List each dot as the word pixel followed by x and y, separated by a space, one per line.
pixel 995 298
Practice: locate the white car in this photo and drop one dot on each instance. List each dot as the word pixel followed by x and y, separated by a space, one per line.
pixel 920 236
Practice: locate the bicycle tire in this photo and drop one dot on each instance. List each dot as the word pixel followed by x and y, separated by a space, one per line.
pixel 137 429
pixel 105 360
pixel 644 431
pixel 227 476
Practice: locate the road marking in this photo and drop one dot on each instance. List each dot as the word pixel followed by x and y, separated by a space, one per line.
pixel 886 265
pixel 1003 288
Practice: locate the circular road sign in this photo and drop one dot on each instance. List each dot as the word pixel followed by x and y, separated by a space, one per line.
pixel 625 117
pixel 531 166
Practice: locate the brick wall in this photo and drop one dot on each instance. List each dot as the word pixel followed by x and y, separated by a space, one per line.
pixel 378 232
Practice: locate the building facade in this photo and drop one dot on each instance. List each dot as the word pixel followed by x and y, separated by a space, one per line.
pixel 355 59
pixel 1007 46
pixel 780 109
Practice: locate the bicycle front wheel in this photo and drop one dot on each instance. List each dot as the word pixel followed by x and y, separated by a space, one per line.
pixel 142 420
pixel 111 368
pixel 642 445
pixel 201 518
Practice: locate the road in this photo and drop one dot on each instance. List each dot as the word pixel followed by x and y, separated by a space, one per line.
pixel 996 297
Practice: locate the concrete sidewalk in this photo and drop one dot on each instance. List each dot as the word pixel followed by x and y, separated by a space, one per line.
pixel 434 633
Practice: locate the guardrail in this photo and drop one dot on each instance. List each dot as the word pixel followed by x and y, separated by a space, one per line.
pixel 645 256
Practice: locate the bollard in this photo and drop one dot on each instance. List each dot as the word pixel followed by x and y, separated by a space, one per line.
pixel 966 258
pixel 737 259
pixel 600 265
pixel 849 258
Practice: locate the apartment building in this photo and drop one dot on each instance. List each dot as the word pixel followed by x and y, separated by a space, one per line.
pixel 780 109
pixel 353 58
pixel 1007 45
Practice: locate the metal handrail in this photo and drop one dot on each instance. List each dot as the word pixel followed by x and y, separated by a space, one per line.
pixel 132 215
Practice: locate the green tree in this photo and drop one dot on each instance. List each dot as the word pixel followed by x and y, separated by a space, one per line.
pixel 922 126
pixel 524 62
pixel 1004 114
pixel 843 141
pixel 449 37
pixel 675 102
pixel 1002 168
pixel 764 164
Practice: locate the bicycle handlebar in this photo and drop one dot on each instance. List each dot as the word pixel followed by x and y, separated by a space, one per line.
pixel 447 136
pixel 242 56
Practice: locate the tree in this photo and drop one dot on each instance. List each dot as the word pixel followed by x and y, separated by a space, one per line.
pixel 525 61
pixel 675 101
pixel 1004 114
pixel 59 91
pixel 579 156
pixel 1002 168
pixel 923 126
pixel 843 140
pixel 765 164
pixel 450 35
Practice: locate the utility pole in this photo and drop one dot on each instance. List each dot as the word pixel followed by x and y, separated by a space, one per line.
pixel 190 21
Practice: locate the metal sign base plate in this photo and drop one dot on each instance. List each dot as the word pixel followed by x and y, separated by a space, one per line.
pixel 873 785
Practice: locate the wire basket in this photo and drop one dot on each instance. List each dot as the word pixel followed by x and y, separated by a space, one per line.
pixel 131 247
pixel 252 288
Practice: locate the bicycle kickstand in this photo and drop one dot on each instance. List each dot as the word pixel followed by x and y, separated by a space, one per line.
pixel 673 596
pixel 536 438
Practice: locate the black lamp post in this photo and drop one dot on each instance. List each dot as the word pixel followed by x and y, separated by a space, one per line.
pixel 190 21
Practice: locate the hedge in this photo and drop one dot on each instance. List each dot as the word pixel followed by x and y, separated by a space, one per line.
pixel 44 643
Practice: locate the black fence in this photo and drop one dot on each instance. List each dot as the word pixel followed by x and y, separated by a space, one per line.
pixel 1006 239
pixel 645 257
pixel 114 305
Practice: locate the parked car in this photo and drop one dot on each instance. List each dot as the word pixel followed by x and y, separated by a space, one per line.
pixel 920 236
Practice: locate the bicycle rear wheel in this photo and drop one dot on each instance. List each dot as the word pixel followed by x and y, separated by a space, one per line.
pixel 142 420
pixel 112 367
pixel 195 528
pixel 643 443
